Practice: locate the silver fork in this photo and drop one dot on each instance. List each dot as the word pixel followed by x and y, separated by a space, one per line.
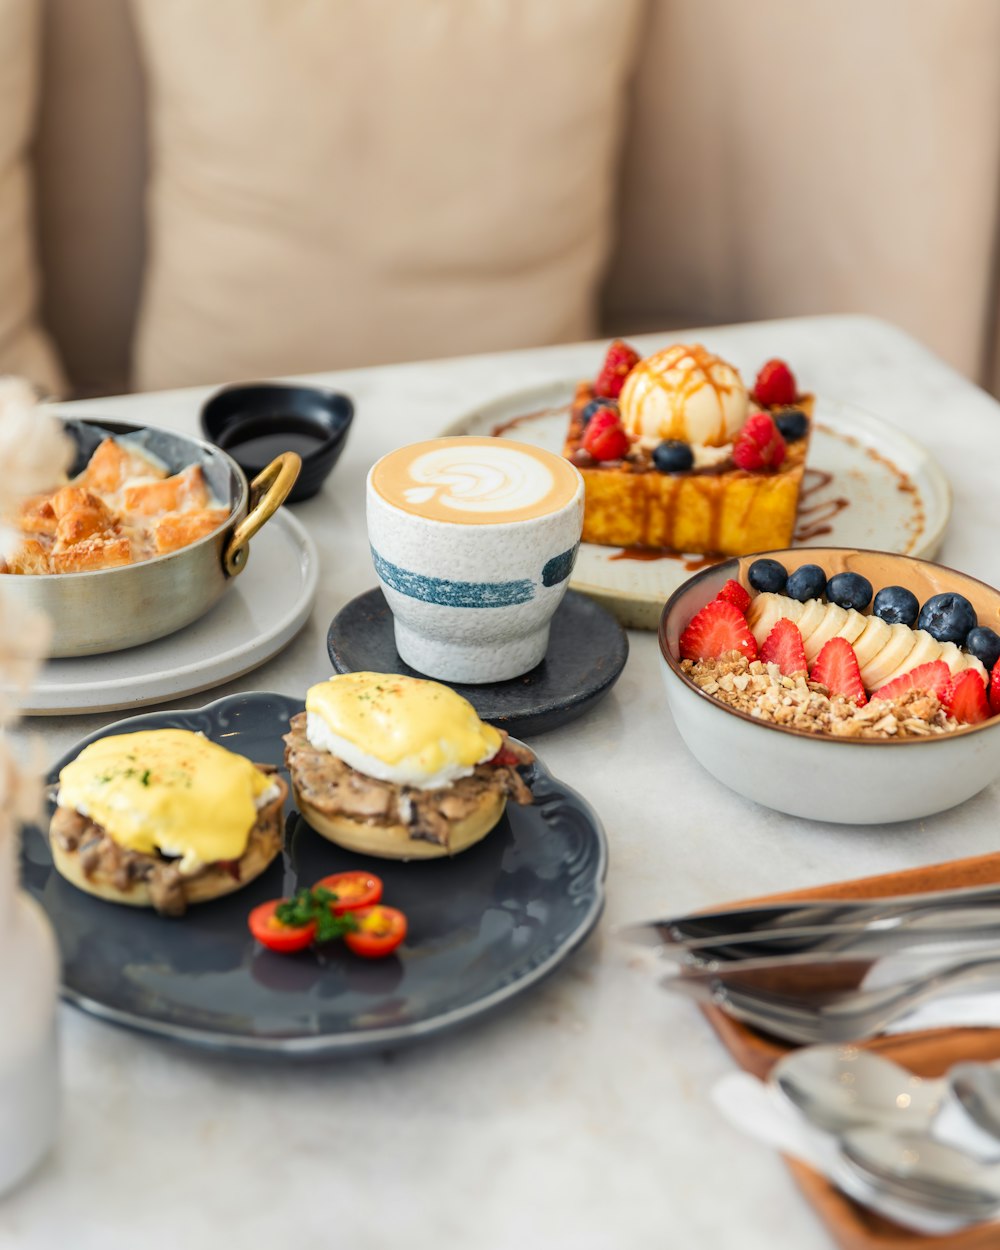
pixel 850 1017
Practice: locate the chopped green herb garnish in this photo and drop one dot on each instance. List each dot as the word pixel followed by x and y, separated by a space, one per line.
pixel 308 906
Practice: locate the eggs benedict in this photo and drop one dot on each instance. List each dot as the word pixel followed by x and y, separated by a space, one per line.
pixel 399 767
pixel 164 818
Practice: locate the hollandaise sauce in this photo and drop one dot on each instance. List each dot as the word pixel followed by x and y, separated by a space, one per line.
pixel 169 790
pixel 399 729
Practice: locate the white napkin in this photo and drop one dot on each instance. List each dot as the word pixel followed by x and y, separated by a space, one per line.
pixel 762 1112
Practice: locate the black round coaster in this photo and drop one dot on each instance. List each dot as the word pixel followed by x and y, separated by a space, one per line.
pixel 587 652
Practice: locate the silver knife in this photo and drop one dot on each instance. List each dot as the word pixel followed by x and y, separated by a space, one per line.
pixel 805 913
pixel 896 933
pixel 811 978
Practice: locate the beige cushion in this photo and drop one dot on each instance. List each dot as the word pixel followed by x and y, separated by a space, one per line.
pixel 23 347
pixel 812 158
pixel 359 181
pixel 90 173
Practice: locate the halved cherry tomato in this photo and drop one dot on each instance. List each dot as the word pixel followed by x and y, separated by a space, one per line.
pixel 274 934
pixel 353 890
pixel 380 930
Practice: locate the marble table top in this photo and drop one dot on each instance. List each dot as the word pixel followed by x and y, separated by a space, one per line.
pixel 580 1117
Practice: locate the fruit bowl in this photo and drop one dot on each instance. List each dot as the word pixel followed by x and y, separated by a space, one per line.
pixel 844 780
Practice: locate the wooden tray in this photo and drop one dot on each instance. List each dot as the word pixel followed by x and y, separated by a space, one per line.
pixel 929 1053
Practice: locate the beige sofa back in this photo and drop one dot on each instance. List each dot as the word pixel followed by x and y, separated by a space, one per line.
pixel 778 160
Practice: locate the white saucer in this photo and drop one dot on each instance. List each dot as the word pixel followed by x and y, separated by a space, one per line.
pixel 867 485
pixel 254 620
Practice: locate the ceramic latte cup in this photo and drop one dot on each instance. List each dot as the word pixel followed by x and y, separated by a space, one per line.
pixel 473 541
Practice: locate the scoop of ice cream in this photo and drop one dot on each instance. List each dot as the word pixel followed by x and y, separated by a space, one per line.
pixel 684 392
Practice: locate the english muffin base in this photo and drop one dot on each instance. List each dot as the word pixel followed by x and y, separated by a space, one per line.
pixel 142 880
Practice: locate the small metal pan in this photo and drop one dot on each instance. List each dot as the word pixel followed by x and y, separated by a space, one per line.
pixel 112 609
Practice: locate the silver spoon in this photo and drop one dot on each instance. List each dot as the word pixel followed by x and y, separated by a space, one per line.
pixel 840 1087
pixel 916 1167
pixel 977 1088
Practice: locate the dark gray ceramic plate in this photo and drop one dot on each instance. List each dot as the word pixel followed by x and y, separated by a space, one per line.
pixel 587 652
pixel 483 927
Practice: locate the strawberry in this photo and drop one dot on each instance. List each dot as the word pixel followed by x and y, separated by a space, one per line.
pixel 618 363
pixel 995 688
pixel 775 385
pixel 759 445
pixel 783 646
pixel 605 438
pixel 715 631
pixel 964 697
pixel 734 593
pixel 932 677
pixel 836 667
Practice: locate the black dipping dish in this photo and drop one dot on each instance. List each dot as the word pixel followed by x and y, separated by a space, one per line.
pixel 256 421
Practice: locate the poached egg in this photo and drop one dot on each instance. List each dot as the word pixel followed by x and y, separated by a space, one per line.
pixel 168 790
pixel 401 729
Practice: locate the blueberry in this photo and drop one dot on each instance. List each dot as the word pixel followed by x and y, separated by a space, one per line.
pixel 768 575
pixel 595 406
pixel 849 590
pixel 792 424
pixel 673 456
pixel 948 617
pixel 807 582
pixel 896 606
pixel 984 644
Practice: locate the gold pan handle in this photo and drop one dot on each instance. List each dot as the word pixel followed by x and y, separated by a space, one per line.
pixel 268 491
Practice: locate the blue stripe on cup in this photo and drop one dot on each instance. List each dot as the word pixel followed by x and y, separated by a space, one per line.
pixel 452 594
pixel 559 567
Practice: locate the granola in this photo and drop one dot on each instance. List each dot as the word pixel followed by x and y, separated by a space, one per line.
pixel 760 690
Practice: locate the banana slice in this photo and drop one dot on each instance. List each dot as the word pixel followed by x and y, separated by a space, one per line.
pixel 833 621
pixel 871 640
pixel 892 656
pixel 767 610
pixel 958 661
pixel 925 649
pixel 853 626
pixel 814 613
pixel 972 661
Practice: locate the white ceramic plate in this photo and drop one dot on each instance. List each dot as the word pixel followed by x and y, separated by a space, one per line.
pixel 867 485
pixel 253 621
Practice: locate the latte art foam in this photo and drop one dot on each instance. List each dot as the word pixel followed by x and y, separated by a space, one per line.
pixel 475 480
pixel 497 480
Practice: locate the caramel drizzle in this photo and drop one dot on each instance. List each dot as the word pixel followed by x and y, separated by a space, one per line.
pixel 815 520
pixel 694 376
pixel 690 563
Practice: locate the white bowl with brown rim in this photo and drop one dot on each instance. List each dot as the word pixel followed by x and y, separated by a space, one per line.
pixel 857 781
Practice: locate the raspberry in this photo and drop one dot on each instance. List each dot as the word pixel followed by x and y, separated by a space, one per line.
pixel 618 363
pixel 759 445
pixel 775 385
